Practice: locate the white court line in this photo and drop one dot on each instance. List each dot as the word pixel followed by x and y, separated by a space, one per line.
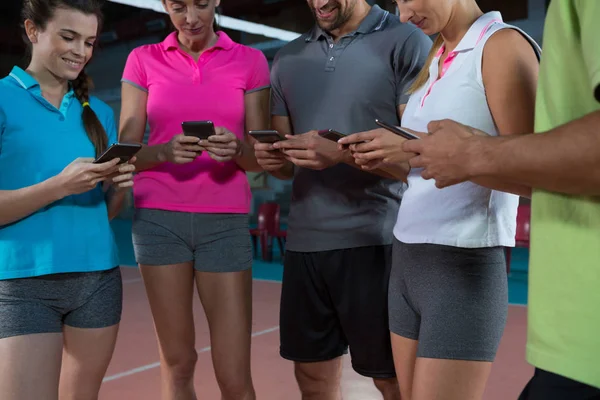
pixel 157 364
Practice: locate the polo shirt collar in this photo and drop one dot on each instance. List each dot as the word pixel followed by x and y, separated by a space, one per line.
pixel 373 22
pixel 224 42
pixel 29 83
pixel 25 80
pixel 477 30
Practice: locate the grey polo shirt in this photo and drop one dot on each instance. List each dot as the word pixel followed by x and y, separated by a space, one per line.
pixel 345 86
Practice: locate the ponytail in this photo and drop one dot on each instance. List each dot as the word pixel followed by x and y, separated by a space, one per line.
pixel 92 125
pixel 423 76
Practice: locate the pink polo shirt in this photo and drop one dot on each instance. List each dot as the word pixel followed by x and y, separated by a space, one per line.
pixel 181 89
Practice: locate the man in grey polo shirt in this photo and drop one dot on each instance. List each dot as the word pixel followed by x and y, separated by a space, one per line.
pixel 354 66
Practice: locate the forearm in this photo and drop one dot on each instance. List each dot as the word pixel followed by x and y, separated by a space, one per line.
pixel 398 172
pixel 149 157
pixel 565 159
pixel 247 159
pixel 114 202
pixel 21 203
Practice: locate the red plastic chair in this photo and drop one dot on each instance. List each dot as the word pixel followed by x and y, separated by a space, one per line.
pixel 268 230
pixel 522 234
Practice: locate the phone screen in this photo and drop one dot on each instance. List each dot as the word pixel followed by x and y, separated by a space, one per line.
pixel 200 129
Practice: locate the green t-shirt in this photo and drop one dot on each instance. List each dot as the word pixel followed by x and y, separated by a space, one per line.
pixel 564 274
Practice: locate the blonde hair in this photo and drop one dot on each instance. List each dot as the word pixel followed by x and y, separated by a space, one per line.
pixel 423 75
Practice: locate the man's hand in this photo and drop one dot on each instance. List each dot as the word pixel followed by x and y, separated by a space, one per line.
pixel 309 150
pixel 448 153
pixel 376 148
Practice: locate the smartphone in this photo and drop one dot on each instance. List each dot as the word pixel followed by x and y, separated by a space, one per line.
pixel 331 134
pixel 200 129
pixel 123 151
pixel 266 136
pixel 397 130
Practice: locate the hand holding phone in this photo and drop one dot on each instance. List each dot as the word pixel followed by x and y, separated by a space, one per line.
pixel 83 175
pixel 181 149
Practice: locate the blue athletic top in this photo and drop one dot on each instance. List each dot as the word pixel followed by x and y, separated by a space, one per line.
pixel 37 141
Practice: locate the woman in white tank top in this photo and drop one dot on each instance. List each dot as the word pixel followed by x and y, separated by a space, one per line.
pixel 448 287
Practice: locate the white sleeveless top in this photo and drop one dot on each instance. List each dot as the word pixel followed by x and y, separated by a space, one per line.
pixel 465 215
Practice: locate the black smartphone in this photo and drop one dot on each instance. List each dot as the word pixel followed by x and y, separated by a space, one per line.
pixel 331 134
pixel 200 129
pixel 397 130
pixel 266 136
pixel 123 151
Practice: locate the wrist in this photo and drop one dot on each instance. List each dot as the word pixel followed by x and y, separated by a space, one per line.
pixel 55 188
pixel 346 157
pixel 239 153
pixel 479 160
pixel 287 171
pixel 161 153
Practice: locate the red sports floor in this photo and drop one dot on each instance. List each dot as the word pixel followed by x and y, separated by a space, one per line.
pixel 134 372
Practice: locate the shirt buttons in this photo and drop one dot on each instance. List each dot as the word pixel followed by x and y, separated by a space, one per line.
pixel 331 59
pixel 331 45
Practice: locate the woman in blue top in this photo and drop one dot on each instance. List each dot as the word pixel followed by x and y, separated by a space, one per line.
pixel 60 287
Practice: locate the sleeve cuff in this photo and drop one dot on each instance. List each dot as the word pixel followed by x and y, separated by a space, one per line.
pixel 258 89
pixel 143 89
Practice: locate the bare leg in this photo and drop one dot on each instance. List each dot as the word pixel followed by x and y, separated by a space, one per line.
pixel 450 379
pixel 389 388
pixel 170 289
pixel 227 301
pixel 320 380
pixel 30 366
pixel 405 353
pixel 86 355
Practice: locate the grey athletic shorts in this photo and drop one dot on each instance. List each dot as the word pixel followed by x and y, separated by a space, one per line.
pixel 452 300
pixel 44 304
pixel 213 242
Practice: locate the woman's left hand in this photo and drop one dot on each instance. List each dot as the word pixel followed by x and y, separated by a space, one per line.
pixel 123 178
pixel 223 145
pixel 373 148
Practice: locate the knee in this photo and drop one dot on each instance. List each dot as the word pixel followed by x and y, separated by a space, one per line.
pixel 181 365
pixel 388 387
pixel 237 387
pixel 314 382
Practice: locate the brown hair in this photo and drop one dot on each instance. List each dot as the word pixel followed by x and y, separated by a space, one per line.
pixel 42 11
pixel 423 75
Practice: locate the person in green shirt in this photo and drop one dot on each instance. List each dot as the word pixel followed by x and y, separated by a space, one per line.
pixel 561 163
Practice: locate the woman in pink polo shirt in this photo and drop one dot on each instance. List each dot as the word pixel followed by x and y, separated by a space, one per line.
pixel 192 197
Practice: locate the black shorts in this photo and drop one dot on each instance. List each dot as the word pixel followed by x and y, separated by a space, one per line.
pixel 332 300
pixel 549 386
